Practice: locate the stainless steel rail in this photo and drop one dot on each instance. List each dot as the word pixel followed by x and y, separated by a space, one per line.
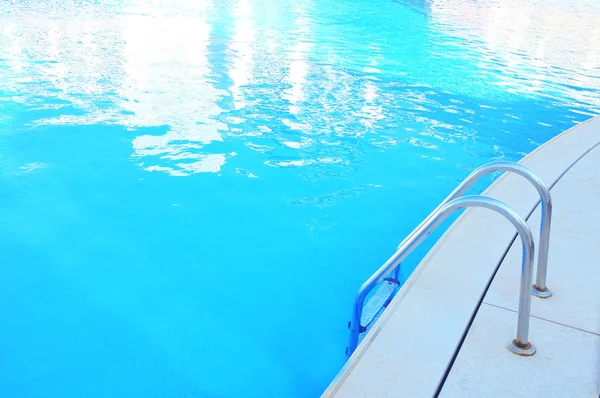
pixel 539 289
pixel 520 345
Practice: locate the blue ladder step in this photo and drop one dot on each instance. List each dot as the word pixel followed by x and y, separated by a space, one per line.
pixel 376 302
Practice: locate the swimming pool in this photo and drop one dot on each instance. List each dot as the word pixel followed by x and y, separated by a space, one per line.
pixel 192 193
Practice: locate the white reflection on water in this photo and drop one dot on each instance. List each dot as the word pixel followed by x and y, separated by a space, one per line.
pixel 156 96
pixel 297 59
pixel 277 74
pixel 135 70
pixel 530 39
pixel 242 47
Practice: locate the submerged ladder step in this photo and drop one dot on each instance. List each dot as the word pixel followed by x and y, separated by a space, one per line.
pixel 377 301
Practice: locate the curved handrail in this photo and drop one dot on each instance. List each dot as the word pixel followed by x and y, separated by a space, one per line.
pixel 539 289
pixel 520 345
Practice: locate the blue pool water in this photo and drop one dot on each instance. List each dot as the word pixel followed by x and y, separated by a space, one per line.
pixel 192 191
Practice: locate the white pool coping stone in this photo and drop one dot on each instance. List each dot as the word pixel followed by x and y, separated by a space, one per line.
pixel 410 348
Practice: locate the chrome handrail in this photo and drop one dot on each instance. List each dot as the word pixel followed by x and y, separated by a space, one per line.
pixel 520 345
pixel 539 289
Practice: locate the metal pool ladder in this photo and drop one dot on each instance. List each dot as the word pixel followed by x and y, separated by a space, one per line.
pixel 520 345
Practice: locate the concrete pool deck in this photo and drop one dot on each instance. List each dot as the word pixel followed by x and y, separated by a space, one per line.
pixel 416 348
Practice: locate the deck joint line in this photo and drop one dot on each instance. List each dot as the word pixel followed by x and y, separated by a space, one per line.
pixel 545 319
